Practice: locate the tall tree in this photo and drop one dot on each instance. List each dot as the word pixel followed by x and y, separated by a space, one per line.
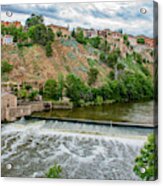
pixel 34 20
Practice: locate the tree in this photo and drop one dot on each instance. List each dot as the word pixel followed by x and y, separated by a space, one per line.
pixel 34 20
pixel 73 34
pixel 95 42
pixel 50 34
pixel 48 49
pixel 60 86
pixel 92 76
pixel 38 34
pixel 80 36
pixel 50 90
pixel 113 60
pixel 75 88
pixel 147 163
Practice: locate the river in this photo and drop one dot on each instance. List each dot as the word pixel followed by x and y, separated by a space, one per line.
pixel 83 151
pixel 141 112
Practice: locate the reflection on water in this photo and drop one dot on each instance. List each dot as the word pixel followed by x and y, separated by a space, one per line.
pixel 129 112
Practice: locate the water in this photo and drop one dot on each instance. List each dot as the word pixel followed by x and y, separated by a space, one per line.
pixel 141 112
pixel 83 151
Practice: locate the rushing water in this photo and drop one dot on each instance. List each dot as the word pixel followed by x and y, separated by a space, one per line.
pixel 83 151
pixel 141 112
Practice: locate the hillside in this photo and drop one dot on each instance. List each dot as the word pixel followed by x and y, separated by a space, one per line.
pixel 31 63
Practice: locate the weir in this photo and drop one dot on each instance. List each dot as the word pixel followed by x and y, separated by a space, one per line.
pixel 95 122
pixel 81 155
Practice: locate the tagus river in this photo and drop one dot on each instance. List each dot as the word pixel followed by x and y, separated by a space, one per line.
pixel 83 151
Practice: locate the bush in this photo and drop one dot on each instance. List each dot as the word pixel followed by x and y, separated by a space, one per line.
pixel 54 172
pixel 32 95
pixel 141 41
pixel 6 67
pixel 92 76
pixel 147 160
pixel 99 100
pixel 125 37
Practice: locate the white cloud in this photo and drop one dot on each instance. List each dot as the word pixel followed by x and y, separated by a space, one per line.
pixel 113 15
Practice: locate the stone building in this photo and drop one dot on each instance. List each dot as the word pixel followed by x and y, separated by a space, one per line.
pixel 65 30
pixel 7 101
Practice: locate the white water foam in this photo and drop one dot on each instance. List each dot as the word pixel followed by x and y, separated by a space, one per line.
pixel 33 148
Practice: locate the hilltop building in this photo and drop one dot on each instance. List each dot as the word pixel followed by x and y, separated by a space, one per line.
pixel 65 30
pixel 17 24
pixel 90 33
pixel 7 40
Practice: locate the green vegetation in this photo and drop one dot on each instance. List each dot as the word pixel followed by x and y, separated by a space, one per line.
pixel 141 41
pixel 125 37
pixel 34 20
pixel 6 67
pixel 92 76
pixel 79 36
pixel 50 90
pixel 75 88
pixel 48 49
pixel 26 93
pixel 54 172
pixel 59 33
pixel 147 163
pixel 33 94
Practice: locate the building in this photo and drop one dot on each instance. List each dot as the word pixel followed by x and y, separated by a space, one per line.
pixel 104 33
pixel 132 40
pixel 8 101
pixel 7 40
pixel 90 33
pixel 17 24
pixel 55 28
pixel 116 35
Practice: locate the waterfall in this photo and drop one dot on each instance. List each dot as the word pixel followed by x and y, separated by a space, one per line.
pixel 32 149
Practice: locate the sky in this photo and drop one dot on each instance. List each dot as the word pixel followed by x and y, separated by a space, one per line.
pixel 100 15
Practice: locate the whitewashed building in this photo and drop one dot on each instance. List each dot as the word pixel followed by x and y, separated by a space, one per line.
pixel 7 40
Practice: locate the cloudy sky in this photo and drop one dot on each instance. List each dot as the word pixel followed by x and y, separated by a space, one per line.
pixel 100 15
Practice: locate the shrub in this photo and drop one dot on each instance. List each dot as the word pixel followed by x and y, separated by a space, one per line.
pixel 6 67
pixel 54 172
pixel 147 160
pixel 99 100
pixel 92 76
pixel 32 95
pixel 48 49
pixel 141 41
pixel 59 33
pixel 125 37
